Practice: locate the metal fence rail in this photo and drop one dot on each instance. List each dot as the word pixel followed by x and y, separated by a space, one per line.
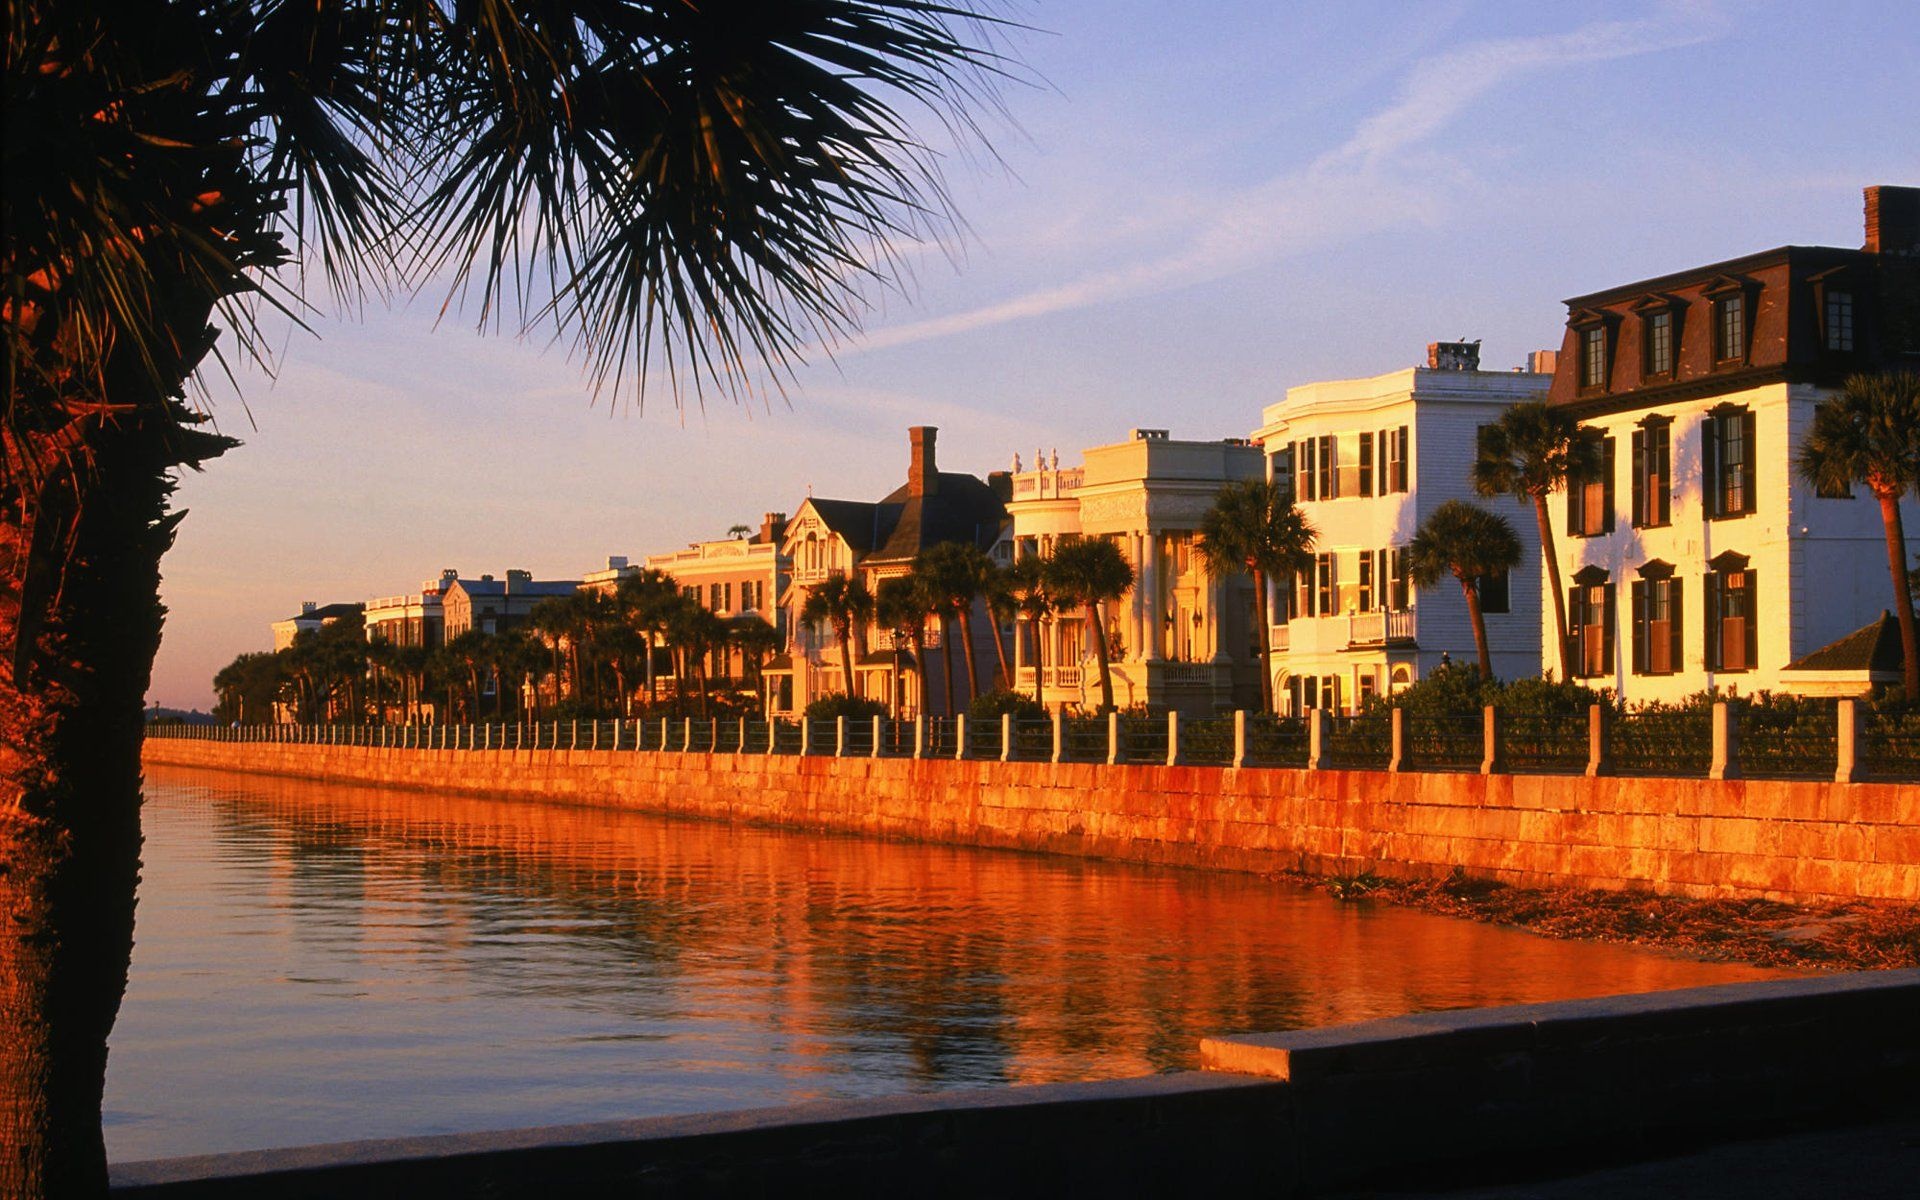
pixel 1838 740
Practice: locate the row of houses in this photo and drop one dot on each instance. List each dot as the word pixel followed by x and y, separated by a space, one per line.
pixel 1695 558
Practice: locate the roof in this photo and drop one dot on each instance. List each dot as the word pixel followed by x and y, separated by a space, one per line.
pixel 533 587
pixel 965 508
pixel 1873 647
pixel 860 523
pixel 328 612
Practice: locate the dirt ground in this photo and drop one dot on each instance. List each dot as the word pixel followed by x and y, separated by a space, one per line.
pixel 1854 936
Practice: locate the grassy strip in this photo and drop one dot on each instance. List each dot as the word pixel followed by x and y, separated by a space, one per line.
pixel 1850 936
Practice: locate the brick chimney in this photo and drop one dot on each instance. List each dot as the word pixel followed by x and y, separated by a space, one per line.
pixel 773 526
pixel 923 474
pixel 1454 356
pixel 1893 220
pixel 518 580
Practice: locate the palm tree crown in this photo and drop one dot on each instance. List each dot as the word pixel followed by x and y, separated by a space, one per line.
pixel 1253 527
pixel 843 602
pixel 1469 543
pixel 1870 434
pixel 1091 572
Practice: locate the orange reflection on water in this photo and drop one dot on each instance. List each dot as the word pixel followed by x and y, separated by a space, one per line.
pixel 362 961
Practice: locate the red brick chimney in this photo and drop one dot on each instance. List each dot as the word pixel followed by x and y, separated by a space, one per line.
pixel 923 474
pixel 1893 220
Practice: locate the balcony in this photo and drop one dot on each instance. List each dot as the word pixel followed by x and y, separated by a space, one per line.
pixel 1057 677
pixel 1379 628
pixel 1352 631
pixel 1047 485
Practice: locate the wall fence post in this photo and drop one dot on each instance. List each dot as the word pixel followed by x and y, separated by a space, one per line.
pixel 1599 739
pixel 1239 738
pixel 1006 737
pixel 960 735
pixel 1317 729
pixel 1059 737
pixel 1726 742
pixel 879 735
pixel 840 736
pixel 1846 731
pixel 1397 735
pixel 1493 758
pixel 1173 738
pixel 1116 753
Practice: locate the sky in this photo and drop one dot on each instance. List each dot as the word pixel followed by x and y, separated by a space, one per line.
pixel 1186 210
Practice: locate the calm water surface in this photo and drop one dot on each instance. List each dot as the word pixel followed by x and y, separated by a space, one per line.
pixel 318 963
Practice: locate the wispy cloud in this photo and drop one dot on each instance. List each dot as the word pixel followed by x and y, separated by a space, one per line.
pixel 1361 186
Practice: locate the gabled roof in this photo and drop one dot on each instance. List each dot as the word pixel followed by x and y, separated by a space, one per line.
pixel 964 509
pixel 860 523
pixel 1874 647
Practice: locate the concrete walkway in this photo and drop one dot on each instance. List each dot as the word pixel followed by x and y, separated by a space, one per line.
pixel 1877 1161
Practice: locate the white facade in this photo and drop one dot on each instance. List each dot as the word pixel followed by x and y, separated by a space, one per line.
pixel 1182 638
pixel 1367 460
pixel 1815 568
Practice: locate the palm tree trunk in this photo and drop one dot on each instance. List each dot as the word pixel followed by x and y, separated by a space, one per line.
pixel 846 658
pixel 999 649
pixel 1895 527
pixel 80 625
pixel 1260 639
pixel 920 664
pixel 1553 585
pixel 946 655
pixel 1479 621
pixel 965 618
pixel 1100 647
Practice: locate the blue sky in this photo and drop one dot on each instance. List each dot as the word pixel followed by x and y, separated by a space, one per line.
pixel 1196 207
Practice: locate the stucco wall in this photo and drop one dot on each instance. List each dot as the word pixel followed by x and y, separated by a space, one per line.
pixel 1779 839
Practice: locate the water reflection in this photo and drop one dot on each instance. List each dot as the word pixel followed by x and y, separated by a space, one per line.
pixel 317 963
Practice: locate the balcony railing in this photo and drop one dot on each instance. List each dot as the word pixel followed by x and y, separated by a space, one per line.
pixel 1057 677
pixel 1379 628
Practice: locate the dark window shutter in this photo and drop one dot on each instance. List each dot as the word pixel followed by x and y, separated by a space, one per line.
pixel 1676 613
pixel 1663 474
pixel 1747 459
pixel 1710 463
pixel 1710 622
pixel 1639 476
pixel 1638 590
pixel 1366 463
pixel 1606 631
pixel 1753 622
pixel 1606 485
pixel 1406 455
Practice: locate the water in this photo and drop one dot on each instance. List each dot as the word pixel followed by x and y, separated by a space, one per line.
pixel 320 963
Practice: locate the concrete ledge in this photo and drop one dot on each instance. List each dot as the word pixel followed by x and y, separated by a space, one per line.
pixel 1304 1111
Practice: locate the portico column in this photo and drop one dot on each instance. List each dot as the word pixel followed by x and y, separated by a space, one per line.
pixel 1136 554
pixel 1152 641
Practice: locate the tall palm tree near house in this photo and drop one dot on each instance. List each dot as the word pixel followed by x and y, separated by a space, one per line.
pixel 1254 527
pixel 1471 544
pixel 900 607
pixel 844 603
pixel 1026 586
pixel 954 572
pixel 756 639
pixel 996 590
pixel 247 687
pixel 1870 434
pixel 1532 451
pixel 649 598
pixel 679 190
pixel 1092 572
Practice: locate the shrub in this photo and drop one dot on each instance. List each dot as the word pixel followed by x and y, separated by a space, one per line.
pixel 839 704
pixel 991 706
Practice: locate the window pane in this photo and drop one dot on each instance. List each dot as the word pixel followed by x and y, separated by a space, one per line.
pixel 1660 343
pixel 1840 321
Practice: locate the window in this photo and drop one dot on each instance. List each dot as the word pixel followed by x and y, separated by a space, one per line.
pixel 1656 621
pixel 1590 623
pixel 1730 328
pixel 1400 579
pixel 1727 450
pixel 1659 333
pixel 1303 471
pixel 1732 630
pixel 1328 457
pixel 1366 463
pixel 1590 497
pixel 1653 473
pixel 1281 470
pixel 1366 596
pixel 1839 331
pixel 1593 356
pixel 1325 586
pixel 1494 592
pixel 1393 460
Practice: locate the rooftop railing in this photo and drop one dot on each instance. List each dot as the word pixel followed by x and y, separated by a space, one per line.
pixel 1846 743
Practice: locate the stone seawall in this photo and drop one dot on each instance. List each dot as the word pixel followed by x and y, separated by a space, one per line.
pixel 1776 839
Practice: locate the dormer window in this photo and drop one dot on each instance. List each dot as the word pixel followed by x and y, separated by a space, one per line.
pixel 1839 322
pixel 1730 328
pixel 1593 356
pixel 1660 342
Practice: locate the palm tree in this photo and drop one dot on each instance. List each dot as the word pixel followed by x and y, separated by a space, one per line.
pixel 1026 584
pixel 1532 451
pixel 692 195
pixel 1091 572
pixel 954 572
pixel 649 599
pixel 1469 543
pixel 997 590
pixel 1870 434
pixel 1254 527
pixel 900 608
pixel 843 602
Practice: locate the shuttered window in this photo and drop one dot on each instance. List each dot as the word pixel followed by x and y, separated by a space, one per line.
pixel 1732 627
pixel 1656 627
pixel 1590 498
pixel 1590 616
pixel 1652 474
pixel 1728 455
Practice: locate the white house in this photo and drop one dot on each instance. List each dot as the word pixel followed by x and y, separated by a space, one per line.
pixel 1697 557
pixel 1367 460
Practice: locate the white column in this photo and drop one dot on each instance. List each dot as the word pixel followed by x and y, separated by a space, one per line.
pixel 1155 608
pixel 1136 600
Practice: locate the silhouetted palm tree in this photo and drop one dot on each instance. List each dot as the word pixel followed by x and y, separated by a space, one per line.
pixel 1026 585
pixel 1469 543
pixel 955 573
pixel 1870 434
pixel 1254 527
pixel 1532 451
pixel 1092 572
pixel 843 602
